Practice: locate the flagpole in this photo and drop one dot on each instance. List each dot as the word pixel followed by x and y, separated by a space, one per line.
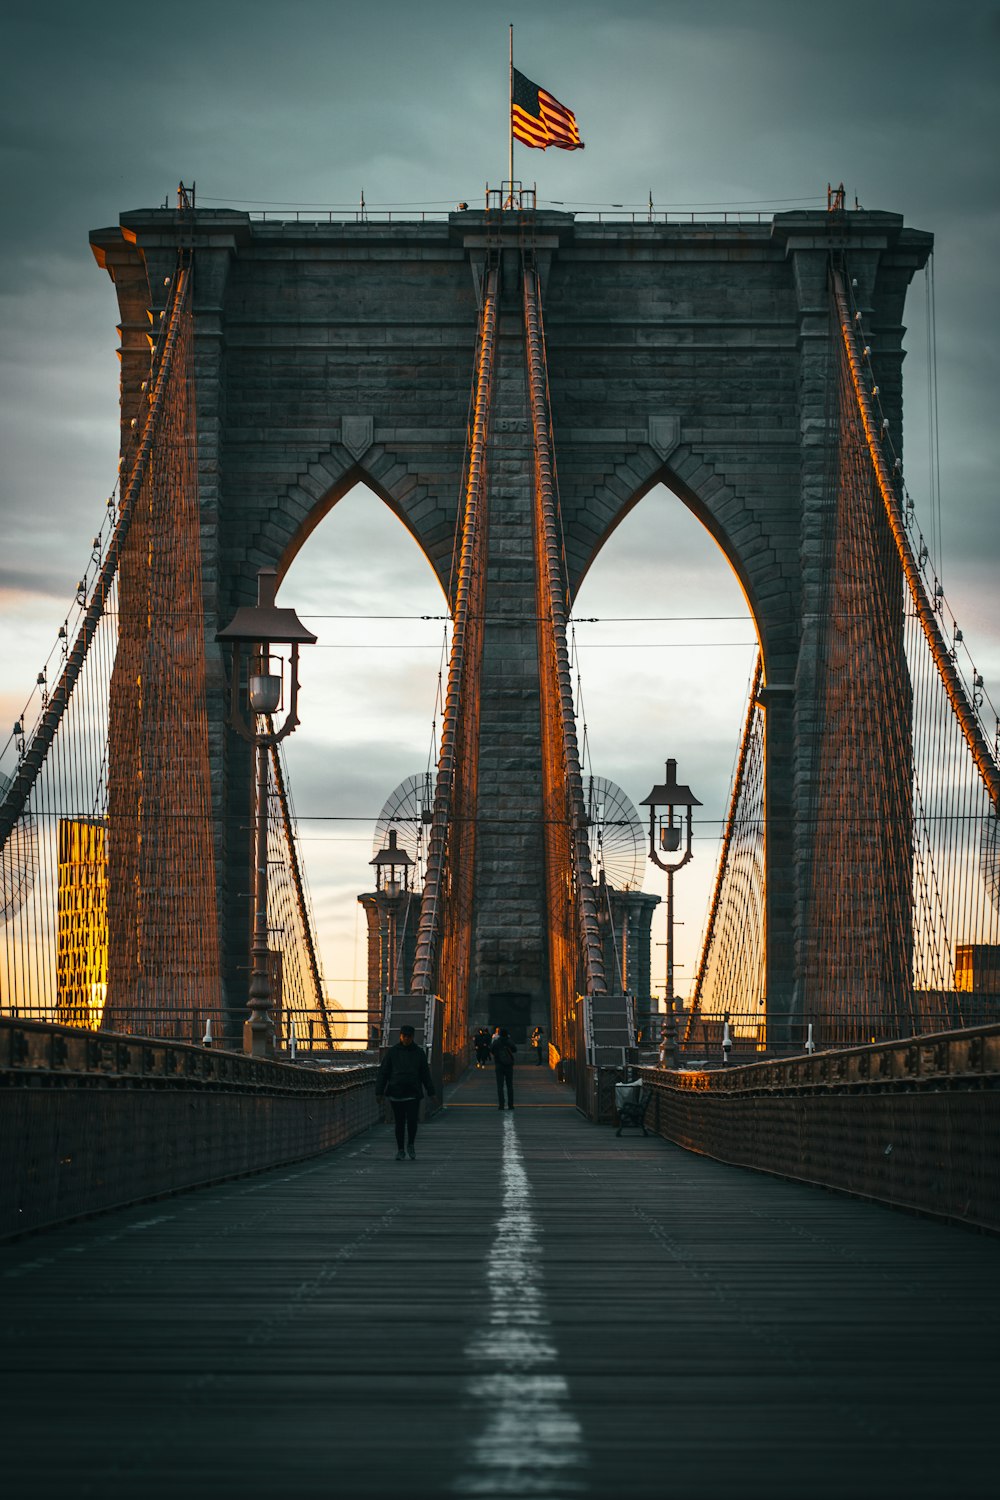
pixel 510 124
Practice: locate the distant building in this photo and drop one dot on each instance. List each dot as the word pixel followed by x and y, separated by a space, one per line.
pixel 976 998
pixel 82 921
pixel 625 919
pixel 977 968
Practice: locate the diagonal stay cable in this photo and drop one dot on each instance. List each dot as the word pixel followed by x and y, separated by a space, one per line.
pixel 940 651
pixel 31 763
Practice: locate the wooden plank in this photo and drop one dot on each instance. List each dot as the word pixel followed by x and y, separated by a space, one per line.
pixel 533 1307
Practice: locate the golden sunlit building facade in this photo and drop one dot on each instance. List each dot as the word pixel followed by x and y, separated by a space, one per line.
pixel 977 968
pixel 82 921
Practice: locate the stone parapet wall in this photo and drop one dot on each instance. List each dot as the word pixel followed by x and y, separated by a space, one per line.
pixel 914 1124
pixel 92 1121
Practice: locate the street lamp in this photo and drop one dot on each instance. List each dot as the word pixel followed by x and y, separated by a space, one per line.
pixel 388 862
pixel 670 829
pixel 392 880
pixel 252 632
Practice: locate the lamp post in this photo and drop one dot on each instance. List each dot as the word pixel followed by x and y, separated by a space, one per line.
pixel 388 863
pixel 392 880
pixel 670 828
pixel 252 633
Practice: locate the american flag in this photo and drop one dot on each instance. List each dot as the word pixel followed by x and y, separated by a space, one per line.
pixel 538 119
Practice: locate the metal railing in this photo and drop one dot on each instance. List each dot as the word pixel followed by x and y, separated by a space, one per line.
pixel 966 1055
pixel 636 218
pixel 43 1052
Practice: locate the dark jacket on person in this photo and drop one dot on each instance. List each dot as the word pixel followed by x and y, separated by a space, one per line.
pixel 403 1073
pixel 503 1050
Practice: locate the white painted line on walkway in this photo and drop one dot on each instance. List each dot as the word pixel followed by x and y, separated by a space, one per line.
pixel 529 1442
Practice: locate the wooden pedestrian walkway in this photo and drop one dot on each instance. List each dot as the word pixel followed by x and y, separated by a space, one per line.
pixel 531 1308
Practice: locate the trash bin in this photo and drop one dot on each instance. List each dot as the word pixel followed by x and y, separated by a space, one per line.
pixel 631 1100
pixel 627 1095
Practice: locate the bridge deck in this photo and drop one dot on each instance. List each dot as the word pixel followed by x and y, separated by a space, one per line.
pixel 533 1307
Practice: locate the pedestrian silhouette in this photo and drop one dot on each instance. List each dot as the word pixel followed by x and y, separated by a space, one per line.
pixel 403 1078
pixel 504 1051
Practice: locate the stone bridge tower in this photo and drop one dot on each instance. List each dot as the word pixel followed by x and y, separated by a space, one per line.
pixel 693 355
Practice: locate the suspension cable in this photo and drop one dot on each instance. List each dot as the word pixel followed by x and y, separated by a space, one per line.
pixel 298 885
pixel 468 570
pixel 943 657
pixel 31 762
pixel 749 726
pixel 552 561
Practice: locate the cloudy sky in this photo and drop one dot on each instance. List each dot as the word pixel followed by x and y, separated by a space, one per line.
pixel 708 104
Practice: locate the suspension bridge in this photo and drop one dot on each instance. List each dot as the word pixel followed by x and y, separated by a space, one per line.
pixel 511 382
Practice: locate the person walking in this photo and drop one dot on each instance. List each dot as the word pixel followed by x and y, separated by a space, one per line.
pixel 504 1051
pixel 403 1078
pixel 538 1042
pixel 482 1047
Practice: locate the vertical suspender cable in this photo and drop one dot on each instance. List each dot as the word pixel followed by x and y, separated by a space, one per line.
pixel 301 904
pixel 727 839
pixel 469 569
pixel 551 560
